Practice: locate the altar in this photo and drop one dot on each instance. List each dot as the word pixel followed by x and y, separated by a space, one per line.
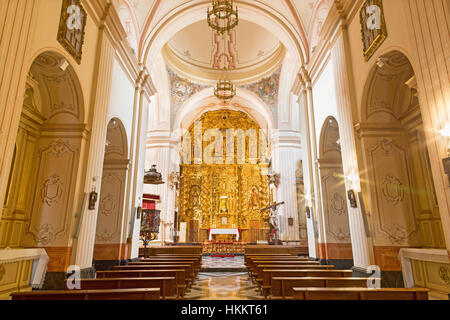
pixel 223 231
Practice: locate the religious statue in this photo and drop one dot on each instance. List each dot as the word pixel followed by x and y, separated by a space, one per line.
pixel 254 199
pixel 273 222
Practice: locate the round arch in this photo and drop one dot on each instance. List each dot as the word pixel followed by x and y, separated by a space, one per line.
pixel 57 55
pixel 184 15
pixel 206 101
pixel 329 144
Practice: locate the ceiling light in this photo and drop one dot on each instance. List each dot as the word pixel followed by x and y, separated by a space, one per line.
pixel 223 17
pixel 225 90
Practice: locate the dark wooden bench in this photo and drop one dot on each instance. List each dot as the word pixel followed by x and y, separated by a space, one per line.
pixel 360 294
pixel 153 250
pixel 295 249
pixel 103 294
pixel 262 255
pixel 282 286
pixel 252 266
pixel 250 259
pixel 197 262
pixel 258 274
pixel 178 274
pixel 269 274
pixel 167 285
pixel 188 267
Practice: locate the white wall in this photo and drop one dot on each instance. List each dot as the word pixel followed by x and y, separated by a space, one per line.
pixel 122 99
pixel 324 95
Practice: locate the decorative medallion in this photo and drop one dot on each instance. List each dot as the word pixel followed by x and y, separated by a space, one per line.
pixel 338 204
pixel 340 235
pixel 105 236
pixel 374 30
pixel 393 189
pixel 108 205
pixel 71 28
pixel 46 234
pixel 52 190
pixel 444 274
pixel 396 234
pixel 59 148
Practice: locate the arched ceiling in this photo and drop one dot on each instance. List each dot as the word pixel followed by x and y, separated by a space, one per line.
pixel 301 14
pixel 198 45
pixel 250 52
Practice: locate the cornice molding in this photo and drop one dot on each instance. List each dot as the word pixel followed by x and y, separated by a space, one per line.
pixel 105 16
pixel 340 16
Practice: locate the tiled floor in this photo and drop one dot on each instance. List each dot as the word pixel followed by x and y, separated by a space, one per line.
pixel 223 286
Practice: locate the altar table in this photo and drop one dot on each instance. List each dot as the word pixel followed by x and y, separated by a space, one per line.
pixel 223 231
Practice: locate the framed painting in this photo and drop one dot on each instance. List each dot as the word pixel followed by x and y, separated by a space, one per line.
pixel 373 25
pixel 71 28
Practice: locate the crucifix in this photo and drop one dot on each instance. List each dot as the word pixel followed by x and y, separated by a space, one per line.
pixel 273 221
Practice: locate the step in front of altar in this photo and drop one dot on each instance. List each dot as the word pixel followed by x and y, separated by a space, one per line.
pixel 225 264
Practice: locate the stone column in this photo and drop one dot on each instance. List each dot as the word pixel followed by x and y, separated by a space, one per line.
pixel 130 208
pixel 286 154
pixel 84 247
pixel 17 21
pixel 308 162
pixel 344 91
pixel 139 163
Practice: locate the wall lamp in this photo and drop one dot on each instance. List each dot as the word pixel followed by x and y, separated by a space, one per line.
pixel 446 162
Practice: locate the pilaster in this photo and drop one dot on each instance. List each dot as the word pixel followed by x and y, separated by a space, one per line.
pixel 344 91
pixel 84 247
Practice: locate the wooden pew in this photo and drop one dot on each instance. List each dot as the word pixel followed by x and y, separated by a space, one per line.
pixel 258 275
pixel 269 274
pixel 178 274
pixel 295 250
pixel 262 255
pixel 188 267
pixel 282 286
pixel 196 261
pixel 172 264
pixel 153 250
pixel 252 266
pixel 360 294
pixel 250 260
pixel 104 294
pixel 167 285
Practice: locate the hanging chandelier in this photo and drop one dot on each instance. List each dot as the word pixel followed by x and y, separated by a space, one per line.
pixel 223 17
pixel 225 90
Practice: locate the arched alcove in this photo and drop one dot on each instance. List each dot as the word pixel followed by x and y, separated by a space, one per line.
pixel 401 194
pixel 336 247
pixel 109 247
pixel 39 208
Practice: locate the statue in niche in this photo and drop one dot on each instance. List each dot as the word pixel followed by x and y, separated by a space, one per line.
pixel 194 196
pixel 254 199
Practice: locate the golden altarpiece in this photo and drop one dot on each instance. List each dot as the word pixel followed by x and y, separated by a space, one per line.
pixel 226 196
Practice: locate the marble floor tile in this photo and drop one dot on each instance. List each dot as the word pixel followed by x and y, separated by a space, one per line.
pixel 223 286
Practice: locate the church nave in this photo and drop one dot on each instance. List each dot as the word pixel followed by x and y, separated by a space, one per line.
pixel 263 150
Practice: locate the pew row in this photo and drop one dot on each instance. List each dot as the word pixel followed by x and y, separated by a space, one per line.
pixel 178 274
pixel 269 274
pixel 259 275
pixel 104 294
pixel 190 273
pixel 282 286
pixel 360 293
pixel 167 285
